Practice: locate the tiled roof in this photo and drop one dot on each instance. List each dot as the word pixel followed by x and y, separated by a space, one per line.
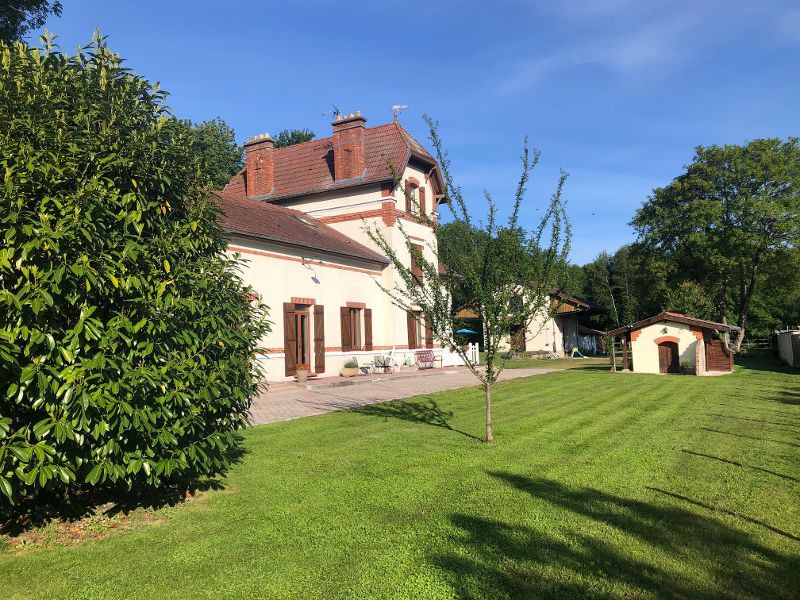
pixel 677 318
pixel 279 224
pixel 307 168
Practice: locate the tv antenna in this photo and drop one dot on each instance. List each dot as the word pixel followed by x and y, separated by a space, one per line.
pixel 397 109
pixel 335 112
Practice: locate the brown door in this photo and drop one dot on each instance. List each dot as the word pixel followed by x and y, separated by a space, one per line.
pixel 319 338
pixel 668 357
pixel 517 337
pixel 303 352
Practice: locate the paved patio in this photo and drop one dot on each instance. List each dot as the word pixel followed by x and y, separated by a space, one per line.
pixel 285 401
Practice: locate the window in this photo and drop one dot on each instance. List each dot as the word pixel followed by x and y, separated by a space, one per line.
pixel 356 334
pixel 355 327
pixel 416 268
pixel 412 198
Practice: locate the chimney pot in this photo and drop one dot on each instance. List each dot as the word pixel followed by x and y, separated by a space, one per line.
pixel 348 146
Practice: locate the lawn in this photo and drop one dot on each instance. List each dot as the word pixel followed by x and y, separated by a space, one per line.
pixel 600 485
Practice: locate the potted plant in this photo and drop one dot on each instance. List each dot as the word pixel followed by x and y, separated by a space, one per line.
pixel 350 368
pixel 302 375
pixel 686 368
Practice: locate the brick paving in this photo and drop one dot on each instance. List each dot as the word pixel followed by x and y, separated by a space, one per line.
pixel 285 401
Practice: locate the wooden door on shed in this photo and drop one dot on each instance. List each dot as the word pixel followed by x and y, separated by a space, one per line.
pixel 668 357
pixel 717 357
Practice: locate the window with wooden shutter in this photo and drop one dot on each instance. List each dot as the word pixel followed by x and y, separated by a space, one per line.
pixel 367 329
pixel 416 268
pixel 290 338
pixel 319 339
pixel 428 332
pixel 411 322
pixel 421 194
pixel 347 340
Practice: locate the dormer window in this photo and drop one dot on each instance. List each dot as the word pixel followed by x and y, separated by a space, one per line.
pixel 412 198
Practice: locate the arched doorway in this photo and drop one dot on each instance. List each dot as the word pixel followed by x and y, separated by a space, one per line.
pixel 668 358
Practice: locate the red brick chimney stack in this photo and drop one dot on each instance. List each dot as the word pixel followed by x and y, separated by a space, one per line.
pixel 259 165
pixel 348 146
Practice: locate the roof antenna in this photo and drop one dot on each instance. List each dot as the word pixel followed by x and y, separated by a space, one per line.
pixel 397 109
pixel 332 113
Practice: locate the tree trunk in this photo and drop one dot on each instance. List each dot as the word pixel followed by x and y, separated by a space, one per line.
pixel 489 435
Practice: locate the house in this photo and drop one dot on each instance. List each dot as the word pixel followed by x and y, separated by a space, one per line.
pixel 297 214
pixel 590 341
pixel 558 334
pixel 664 342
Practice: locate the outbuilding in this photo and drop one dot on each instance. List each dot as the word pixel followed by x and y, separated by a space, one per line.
pixel 673 343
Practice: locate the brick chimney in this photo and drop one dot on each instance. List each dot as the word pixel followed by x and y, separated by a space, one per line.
pixel 259 164
pixel 348 146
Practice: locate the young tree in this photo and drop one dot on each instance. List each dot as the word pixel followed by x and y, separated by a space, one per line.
pixel 497 269
pixel 126 340
pixel 18 17
pixel 732 214
pixel 290 137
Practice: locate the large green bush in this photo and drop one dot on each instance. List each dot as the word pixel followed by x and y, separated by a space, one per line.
pixel 126 342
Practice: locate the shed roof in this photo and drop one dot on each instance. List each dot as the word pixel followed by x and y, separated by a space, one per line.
pixel 676 318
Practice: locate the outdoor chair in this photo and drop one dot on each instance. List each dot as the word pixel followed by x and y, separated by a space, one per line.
pixel 426 359
pixel 383 363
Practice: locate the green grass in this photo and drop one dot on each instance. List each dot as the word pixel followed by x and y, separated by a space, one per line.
pixel 600 485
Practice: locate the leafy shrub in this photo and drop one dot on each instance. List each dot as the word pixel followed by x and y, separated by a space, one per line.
pixel 126 342
pixel 352 363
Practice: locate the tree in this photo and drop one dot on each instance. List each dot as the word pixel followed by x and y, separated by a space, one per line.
pixel 498 270
pixel 289 137
pixel 126 342
pixel 214 146
pixel 18 17
pixel 733 213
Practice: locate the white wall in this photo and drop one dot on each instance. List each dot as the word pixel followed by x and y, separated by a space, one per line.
pixel 644 349
pixel 278 274
pixel 785 346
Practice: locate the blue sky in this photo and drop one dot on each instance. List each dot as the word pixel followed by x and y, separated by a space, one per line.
pixel 616 92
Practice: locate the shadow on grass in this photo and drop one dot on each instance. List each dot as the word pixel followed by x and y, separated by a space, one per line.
pixel 82 501
pixel 763 360
pixel 736 463
pixel 609 546
pixel 751 437
pixel 427 413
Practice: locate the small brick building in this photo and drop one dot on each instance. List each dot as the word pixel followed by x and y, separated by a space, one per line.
pixel 664 342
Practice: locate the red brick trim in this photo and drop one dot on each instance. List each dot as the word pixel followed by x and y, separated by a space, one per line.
pixel 666 338
pixel 635 334
pixel 364 214
pixel 297 300
pixel 697 332
pixel 251 296
pixel 356 305
pixel 412 181
pixel 337 349
pixel 318 263
pixel 389 213
pixel 387 189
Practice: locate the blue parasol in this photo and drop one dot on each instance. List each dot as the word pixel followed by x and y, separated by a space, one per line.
pixel 466 331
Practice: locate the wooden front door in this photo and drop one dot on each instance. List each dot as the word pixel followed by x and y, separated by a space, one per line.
pixel 303 340
pixel 668 357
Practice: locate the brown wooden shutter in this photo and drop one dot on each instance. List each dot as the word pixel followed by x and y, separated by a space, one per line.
pixel 428 333
pixel 290 338
pixel 347 341
pixel 319 338
pixel 421 195
pixel 367 329
pixel 411 321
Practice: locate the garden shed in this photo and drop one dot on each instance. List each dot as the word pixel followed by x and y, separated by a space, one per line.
pixel 673 343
